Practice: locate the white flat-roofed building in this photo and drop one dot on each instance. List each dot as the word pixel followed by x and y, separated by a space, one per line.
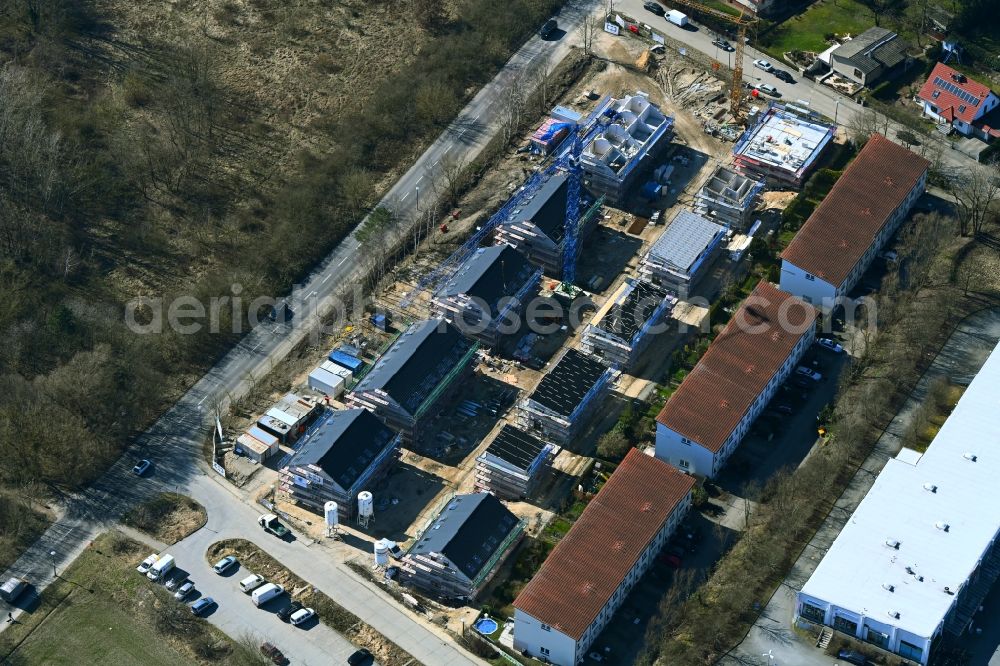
pixel 920 553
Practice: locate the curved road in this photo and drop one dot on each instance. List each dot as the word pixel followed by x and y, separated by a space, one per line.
pixel 174 441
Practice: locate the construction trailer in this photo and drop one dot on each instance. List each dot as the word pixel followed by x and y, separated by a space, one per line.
pixel 683 253
pixel 729 198
pixel 625 325
pixel 461 548
pixel 257 444
pixel 513 464
pixel 348 451
pixel 782 147
pixel 615 157
pixel 288 419
pixel 490 288
pixel 415 376
pixel 330 379
pixel 559 407
pixel 537 226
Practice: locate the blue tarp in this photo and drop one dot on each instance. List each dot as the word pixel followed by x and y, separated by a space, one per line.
pixel 651 191
pixel 346 361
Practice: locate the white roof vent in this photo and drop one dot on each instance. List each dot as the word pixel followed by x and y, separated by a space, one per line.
pixel 930 487
pixel 892 543
pixel 889 587
pixel 970 456
pixel 894 614
pixel 943 526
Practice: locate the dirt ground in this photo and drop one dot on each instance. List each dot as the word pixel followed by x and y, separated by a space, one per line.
pixel 168 517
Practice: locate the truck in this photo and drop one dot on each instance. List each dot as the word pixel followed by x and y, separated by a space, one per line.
pixel 265 593
pixel 161 567
pixel 271 524
pixel 12 589
pixel 677 18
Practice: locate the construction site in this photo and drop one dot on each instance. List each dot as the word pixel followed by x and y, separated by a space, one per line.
pixel 496 354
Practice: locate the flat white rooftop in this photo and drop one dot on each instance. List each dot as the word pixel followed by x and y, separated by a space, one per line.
pixel 784 140
pixel 943 511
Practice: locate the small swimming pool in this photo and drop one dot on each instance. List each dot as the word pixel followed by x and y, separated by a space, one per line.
pixel 485 626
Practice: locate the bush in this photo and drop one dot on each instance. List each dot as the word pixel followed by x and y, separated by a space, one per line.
pixel 613 445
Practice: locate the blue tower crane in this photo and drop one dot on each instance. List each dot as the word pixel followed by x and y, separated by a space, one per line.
pixel 573 184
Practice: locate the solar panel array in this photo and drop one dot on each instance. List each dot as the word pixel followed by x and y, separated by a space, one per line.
pixel 955 90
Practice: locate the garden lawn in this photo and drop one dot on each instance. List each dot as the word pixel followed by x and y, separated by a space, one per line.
pixel 806 31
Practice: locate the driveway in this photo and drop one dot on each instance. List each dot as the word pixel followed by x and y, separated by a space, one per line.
pixel 959 360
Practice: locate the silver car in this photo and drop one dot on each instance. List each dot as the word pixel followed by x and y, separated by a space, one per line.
pixel 183 591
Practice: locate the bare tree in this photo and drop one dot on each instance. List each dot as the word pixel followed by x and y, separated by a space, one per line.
pixel 976 189
pixel 588 33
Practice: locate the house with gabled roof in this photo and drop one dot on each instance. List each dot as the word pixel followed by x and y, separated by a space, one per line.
pixel 951 98
pixel 870 56
pixel 708 415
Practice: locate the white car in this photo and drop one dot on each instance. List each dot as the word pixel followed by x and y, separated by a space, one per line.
pixel 830 344
pixel 146 563
pixel 764 65
pixel 301 615
pixel 806 372
pixel 183 591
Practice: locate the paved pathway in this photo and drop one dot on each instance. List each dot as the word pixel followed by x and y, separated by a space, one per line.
pixel 959 360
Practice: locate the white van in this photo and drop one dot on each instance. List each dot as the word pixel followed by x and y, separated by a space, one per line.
pixel 161 567
pixel 251 582
pixel 265 593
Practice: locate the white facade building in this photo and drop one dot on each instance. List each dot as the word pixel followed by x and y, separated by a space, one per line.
pixel 920 553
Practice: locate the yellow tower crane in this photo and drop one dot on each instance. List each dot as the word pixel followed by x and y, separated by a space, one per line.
pixel 743 21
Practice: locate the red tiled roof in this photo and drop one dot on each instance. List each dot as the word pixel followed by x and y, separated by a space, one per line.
pixel 845 223
pixel 586 567
pixel 949 104
pixel 712 399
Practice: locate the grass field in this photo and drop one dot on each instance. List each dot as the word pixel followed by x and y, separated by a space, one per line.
pixel 168 517
pixel 100 611
pixel 806 32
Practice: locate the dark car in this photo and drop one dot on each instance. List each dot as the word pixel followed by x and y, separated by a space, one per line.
pixel 801 382
pixel 274 654
pixel 360 658
pixel 671 561
pixel 654 7
pixel 285 613
pixel 142 467
pixel 201 606
pixel 782 409
pixel 853 657
pixel 782 75
pixel 724 45
pixel 548 29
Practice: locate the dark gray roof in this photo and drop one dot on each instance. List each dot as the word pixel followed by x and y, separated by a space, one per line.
pixel 490 274
pixel 343 443
pixel 563 388
pixel 416 362
pixel 546 208
pixel 516 446
pixel 626 318
pixel 685 239
pixel 874 48
pixel 468 532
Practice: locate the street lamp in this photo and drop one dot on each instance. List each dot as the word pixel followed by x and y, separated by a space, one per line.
pixel 52 554
pixel 836 110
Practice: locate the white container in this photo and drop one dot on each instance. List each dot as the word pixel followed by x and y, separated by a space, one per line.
pixel 366 504
pixel 265 593
pixel 330 514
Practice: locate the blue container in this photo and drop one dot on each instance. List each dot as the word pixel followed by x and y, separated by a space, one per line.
pixel 347 361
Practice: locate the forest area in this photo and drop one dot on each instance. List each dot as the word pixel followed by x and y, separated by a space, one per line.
pixel 168 148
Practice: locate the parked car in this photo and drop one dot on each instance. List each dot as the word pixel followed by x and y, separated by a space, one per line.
pixel 225 564
pixel 675 549
pixel 782 75
pixel 142 467
pixel 801 382
pixel 302 615
pixel 265 593
pixel 764 65
pixel 767 88
pixel 654 7
pixel 143 568
pixel 202 606
pixel 724 45
pixel 276 656
pixel 782 409
pixel 853 657
pixel 12 589
pixel 808 372
pixel 183 591
pixel 251 583
pixel 830 344
pixel 360 658
pixel 671 561
pixel 548 28
pixel 285 614
pixel 176 580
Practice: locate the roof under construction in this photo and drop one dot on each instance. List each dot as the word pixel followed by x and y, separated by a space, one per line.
pixel 489 275
pixel 516 446
pixel 566 385
pixel 546 208
pixel 626 317
pixel 685 240
pixel 344 444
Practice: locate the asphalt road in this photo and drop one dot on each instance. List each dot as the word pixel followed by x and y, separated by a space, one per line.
pixel 803 92
pixel 174 441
